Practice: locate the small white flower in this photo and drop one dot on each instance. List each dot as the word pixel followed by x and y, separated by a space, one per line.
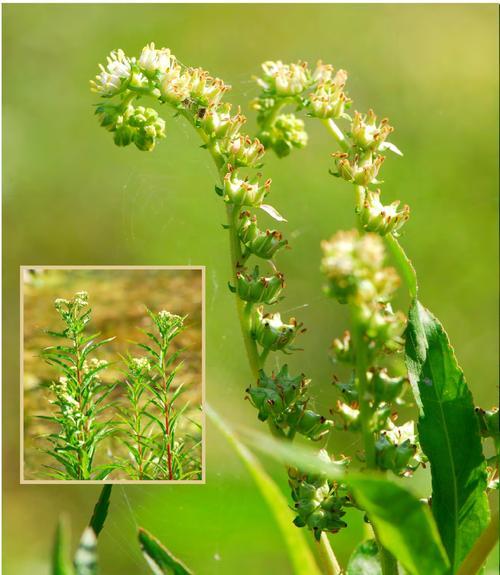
pixel 111 79
pixel 152 60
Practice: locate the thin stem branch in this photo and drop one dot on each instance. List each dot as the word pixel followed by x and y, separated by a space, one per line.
pixel 482 548
pixel 330 563
pixel 166 407
pixel 337 133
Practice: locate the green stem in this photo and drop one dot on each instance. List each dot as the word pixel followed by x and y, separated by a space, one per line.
pixel 403 264
pixel 337 133
pixel 481 549
pixel 364 405
pixel 330 563
pixel 387 560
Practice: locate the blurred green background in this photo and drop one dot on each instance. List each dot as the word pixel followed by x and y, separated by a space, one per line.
pixel 72 197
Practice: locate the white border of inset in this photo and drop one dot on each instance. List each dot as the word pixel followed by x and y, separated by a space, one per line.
pixel 24 481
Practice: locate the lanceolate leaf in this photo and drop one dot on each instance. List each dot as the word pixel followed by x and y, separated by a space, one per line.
pixel 159 558
pixel 100 510
pixel 297 547
pixel 449 434
pixel 404 524
pixel 365 559
pixel 60 562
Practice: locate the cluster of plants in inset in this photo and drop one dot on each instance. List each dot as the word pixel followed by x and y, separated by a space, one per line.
pixel 385 360
pixel 129 425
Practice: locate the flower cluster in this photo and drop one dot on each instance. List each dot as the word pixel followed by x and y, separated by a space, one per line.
pixel 320 92
pixel 354 265
pixel 284 400
pixel 197 96
pixel 318 502
pixel 73 312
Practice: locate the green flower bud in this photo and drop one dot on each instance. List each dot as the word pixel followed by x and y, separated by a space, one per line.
pixel 271 333
pixel 147 127
pixel 274 395
pixel 255 288
pixel 244 192
pixel 319 503
pixel 285 133
pixel 123 135
pixel 259 243
pixel 375 217
pixel 360 170
pixel 108 115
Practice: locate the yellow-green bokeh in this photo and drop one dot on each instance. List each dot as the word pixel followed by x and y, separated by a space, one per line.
pixel 72 197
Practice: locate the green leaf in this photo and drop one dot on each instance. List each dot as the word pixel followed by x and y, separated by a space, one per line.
pixel 298 550
pixel 403 523
pixel 449 434
pixel 100 510
pixel 365 559
pixel 159 558
pixel 60 562
pixel 86 554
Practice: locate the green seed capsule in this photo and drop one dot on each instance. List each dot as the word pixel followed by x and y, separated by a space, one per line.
pixel 319 503
pixel 271 333
pixel 259 289
pixel 262 244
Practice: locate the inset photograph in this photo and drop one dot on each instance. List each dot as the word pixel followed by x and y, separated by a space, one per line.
pixel 112 374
